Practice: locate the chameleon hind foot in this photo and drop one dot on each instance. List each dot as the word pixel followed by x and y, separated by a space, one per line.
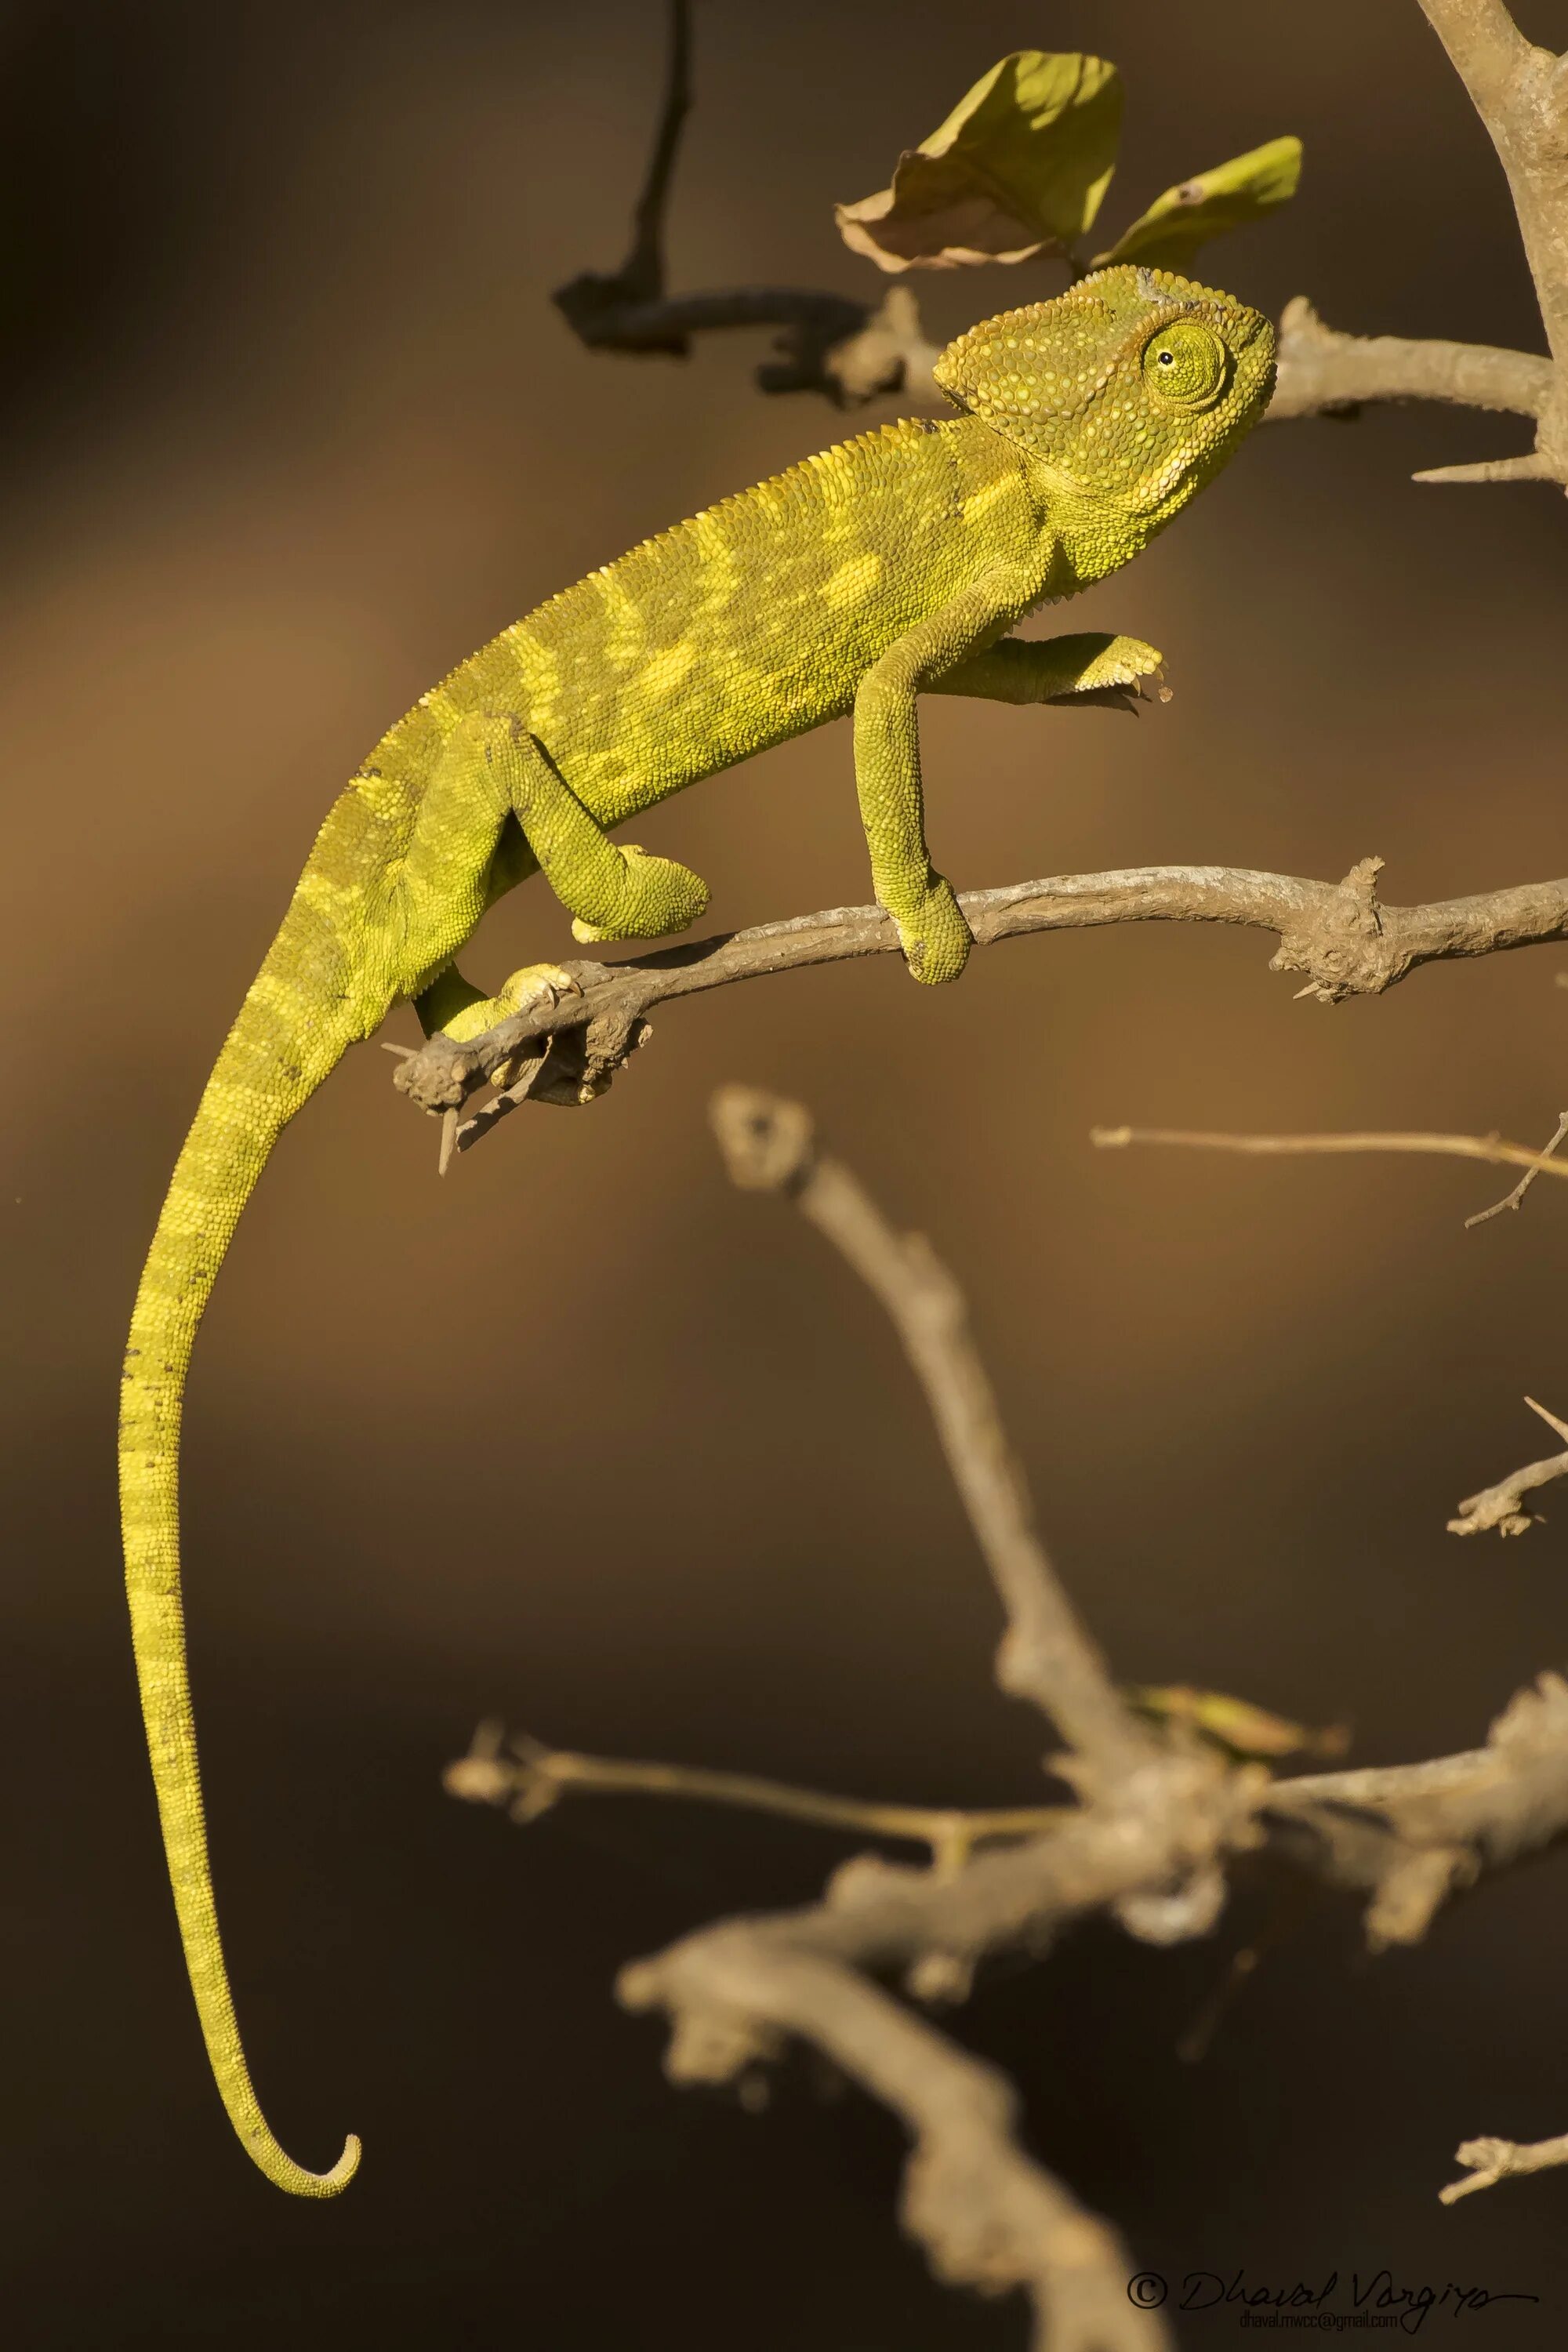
pixel 657 896
pixel 934 936
pixel 453 1006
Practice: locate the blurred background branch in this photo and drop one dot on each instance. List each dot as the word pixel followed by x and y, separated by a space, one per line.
pixel 1160 1817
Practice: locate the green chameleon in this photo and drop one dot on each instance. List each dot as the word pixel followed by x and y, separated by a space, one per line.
pixel 892 566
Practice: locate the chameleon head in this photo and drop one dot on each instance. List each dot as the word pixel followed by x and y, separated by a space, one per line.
pixel 1132 389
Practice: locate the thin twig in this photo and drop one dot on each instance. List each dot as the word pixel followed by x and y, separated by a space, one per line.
pixel 1454 1147
pixel 1339 934
pixel 1047 1655
pixel 533 1777
pixel 1502 1507
pixel 1511 1200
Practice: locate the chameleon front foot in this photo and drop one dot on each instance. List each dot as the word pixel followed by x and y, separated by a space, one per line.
pixel 1093 663
pixel 934 936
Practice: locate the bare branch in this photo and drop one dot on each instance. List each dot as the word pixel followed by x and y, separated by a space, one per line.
pixel 1412 1834
pixel 1454 1147
pixel 1338 934
pixel 1511 1200
pixel 1320 370
pixel 1047 1656
pixel 1500 1506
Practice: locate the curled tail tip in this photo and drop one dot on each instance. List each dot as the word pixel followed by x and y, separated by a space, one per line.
pixel 284 2173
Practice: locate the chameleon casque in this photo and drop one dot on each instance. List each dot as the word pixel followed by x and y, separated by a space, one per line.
pixel 891 566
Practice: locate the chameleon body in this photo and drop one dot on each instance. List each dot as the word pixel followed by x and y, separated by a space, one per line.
pixel 892 565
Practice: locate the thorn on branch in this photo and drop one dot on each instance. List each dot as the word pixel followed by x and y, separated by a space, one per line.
pixel 1531 467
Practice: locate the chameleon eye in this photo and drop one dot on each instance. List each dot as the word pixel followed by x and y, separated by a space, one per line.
pixel 1186 365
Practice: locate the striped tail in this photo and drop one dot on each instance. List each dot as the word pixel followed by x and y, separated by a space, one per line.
pixel 290 1034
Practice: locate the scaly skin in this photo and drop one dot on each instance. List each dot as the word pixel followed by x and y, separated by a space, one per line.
pixel 892 565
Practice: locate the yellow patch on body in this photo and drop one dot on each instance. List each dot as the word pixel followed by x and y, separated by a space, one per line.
pixel 666 668
pixel 853 581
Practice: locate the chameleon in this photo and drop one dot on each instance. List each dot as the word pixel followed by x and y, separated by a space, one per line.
pixel 891 566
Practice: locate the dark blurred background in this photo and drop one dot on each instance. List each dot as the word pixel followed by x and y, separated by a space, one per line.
pixel 289 425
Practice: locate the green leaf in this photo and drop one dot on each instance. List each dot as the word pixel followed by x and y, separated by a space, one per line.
pixel 1176 224
pixel 1018 168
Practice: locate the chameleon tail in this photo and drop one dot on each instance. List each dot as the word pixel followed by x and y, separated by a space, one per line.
pixel 289 1036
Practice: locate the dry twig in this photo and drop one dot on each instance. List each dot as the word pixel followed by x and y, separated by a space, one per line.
pixel 532 1778
pixel 1448 1146
pixel 1511 1200
pixel 1500 1506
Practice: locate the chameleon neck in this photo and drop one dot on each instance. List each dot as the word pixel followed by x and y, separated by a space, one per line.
pixel 284 1043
